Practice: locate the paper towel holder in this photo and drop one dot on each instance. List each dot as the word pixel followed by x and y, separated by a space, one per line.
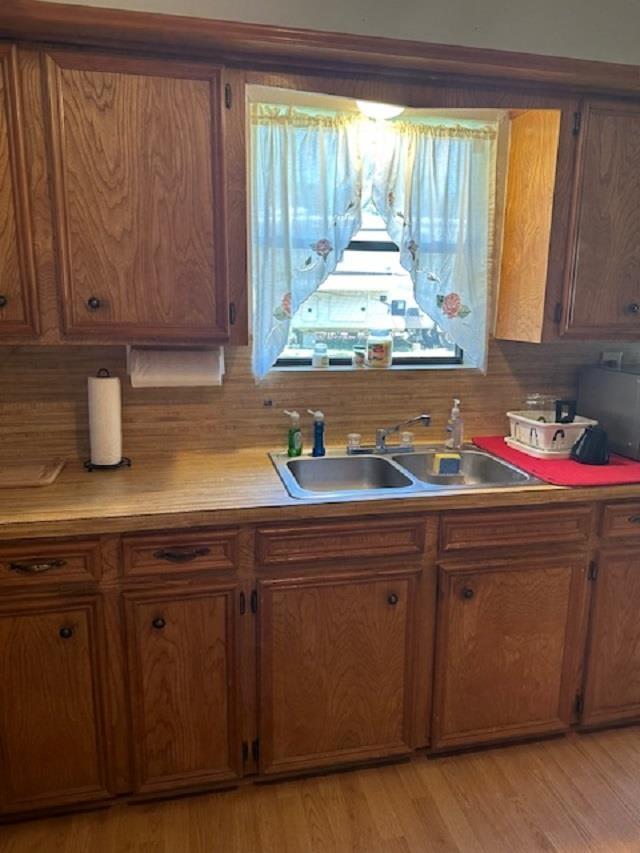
pixel 125 462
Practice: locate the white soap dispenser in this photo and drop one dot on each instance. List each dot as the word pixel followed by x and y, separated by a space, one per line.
pixel 455 427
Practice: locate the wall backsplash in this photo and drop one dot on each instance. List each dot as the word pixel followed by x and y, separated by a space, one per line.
pixel 43 399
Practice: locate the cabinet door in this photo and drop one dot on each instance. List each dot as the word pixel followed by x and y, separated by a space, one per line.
pixel 17 275
pixel 335 664
pixel 507 650
pixel 604 293
pixel 182 653
pixel 613 661
pixel 52 744
pixel 139 196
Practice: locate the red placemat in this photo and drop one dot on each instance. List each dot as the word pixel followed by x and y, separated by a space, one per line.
pixel 564 472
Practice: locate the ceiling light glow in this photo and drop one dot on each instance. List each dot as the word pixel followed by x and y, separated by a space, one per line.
pixel 375 110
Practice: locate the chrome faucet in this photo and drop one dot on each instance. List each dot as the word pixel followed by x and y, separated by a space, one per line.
pixel 384 433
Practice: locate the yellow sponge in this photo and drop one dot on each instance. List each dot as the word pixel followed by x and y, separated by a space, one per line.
pixel 447 463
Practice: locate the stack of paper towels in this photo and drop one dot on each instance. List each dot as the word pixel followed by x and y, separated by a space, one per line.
pixel 105 419
pixel 174 368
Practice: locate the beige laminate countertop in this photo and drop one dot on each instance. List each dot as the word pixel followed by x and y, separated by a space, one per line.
pixel 201 488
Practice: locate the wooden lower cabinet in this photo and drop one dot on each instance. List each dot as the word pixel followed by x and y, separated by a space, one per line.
pixel 335 669
pixel 182 646
pixel 508 648
pixel 612 677
pixel 52 735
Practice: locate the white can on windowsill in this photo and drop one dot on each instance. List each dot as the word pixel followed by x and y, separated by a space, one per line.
pixel 379 349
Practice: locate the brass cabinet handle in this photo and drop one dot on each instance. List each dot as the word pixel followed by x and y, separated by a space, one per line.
pixel 35 567
pixel 3 301
pixel 181 555
pixel 467 592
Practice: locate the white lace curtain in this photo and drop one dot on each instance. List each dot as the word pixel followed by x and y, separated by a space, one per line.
pixel 306 175
pixel 435 189
pixel 434 186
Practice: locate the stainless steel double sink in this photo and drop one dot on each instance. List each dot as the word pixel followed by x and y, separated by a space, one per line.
pixel 338 476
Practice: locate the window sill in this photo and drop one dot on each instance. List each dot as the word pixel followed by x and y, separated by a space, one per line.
pixel 346 368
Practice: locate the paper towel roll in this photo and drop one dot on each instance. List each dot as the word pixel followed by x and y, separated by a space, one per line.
pixel 105 419
pixel 175 368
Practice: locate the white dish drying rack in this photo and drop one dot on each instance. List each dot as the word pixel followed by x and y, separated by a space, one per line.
pixel 540 435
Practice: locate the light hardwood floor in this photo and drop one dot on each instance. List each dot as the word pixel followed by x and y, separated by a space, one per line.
pixel 580 793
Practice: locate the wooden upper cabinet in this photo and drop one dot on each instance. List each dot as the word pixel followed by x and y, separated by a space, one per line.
pixel 139 197
pixel 613 660
pixel 540 174
pixel 18 314
pixel 183 666
pixel 508 649
pixel 335 669
pixel 52 739
pixel 603 296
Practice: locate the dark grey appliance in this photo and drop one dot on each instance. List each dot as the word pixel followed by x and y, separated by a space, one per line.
pixel 612 397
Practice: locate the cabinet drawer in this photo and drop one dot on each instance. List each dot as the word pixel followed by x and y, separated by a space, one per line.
pixel 282 546
pixel 180 553
pixel 47 562
pixel 509 527
pixel 621 520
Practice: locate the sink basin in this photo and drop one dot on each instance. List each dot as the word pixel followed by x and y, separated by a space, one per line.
pixel 342 475
pixel 478 469
pixel 338 476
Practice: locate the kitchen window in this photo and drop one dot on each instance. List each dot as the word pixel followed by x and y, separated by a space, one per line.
pixel 362 227
pixel 369 290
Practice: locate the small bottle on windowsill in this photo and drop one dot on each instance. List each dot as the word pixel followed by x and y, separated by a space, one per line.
pixel 379 348
pixel 320 357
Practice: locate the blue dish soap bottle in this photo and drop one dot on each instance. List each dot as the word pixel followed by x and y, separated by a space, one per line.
pixel 318 433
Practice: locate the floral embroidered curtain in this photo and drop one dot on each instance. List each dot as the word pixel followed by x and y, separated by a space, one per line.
pixel 306 177
pixel 434 186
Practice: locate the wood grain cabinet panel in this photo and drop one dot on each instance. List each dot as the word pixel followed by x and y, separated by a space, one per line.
pixel 464 531
pixel 52 743
pixel 335 669
pixel 507 649
pixel 316 543
pixel 621 521
pixel 604 292
pixel 179 552
pixel 139 196
pixel 612 686
pixel 18 310
pixel 32 565
pixel 183 660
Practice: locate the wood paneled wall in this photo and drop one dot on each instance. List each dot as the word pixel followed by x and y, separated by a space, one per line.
pixel 43 407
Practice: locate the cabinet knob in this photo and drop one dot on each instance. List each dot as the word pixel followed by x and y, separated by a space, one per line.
pixel 66 633
pixel 93 303
pixel 633 308
pixel 3 301
pixel 158 623
pixel 393 599
pixel 467 592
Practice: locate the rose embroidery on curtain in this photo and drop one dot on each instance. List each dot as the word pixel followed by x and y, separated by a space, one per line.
pixel 451 306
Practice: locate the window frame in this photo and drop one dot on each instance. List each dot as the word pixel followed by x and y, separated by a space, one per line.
pixel 456 360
